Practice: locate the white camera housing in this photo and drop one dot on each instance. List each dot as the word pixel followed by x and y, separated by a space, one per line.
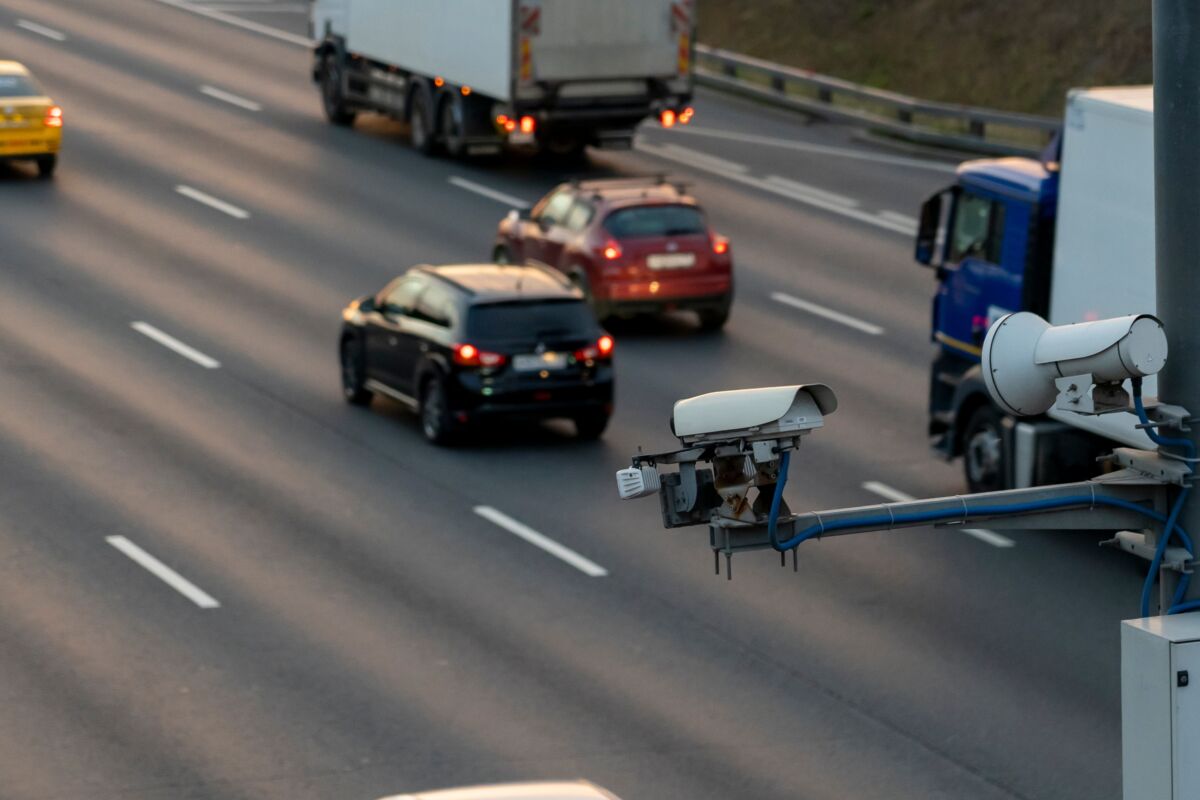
pixel 1029 364
pixel 752 414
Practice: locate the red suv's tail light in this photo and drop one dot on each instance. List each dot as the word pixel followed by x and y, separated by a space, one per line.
pixel 468 355
pixel 720 244
pixel 54 117
pixel 601 350
pixel 612 250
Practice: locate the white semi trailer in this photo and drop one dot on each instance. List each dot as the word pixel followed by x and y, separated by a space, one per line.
pixel 472 76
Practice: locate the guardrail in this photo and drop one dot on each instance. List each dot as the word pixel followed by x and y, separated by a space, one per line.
pixel 979 130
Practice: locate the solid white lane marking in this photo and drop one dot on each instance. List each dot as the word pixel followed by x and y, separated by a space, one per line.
pixel 819 149
pixel 212 202
pixel 258 8
pixel 904 219
pixel 812 191
pixel 584 565
pixel 491 194
pixel 232 99
pixel 704 160
pixel 897 496
pixel 666 152
pixel 164 573
pixel 827 313
pixel 237 22
pixel 42 30
pixel 171 343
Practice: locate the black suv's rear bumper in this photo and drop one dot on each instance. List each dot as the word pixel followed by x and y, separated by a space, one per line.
pixel 530 401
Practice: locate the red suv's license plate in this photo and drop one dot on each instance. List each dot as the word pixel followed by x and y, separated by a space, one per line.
pixel 671 260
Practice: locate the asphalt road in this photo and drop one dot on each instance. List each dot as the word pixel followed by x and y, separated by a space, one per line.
pixel 355 627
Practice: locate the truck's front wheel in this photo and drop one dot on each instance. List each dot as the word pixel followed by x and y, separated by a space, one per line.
pixel 333 98
pixel 983 451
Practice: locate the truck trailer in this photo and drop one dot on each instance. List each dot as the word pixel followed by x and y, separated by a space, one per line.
pixel 1069 237
pixel 475 76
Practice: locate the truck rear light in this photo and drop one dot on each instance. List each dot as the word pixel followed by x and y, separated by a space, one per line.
pixel 54 117
pixel 528 124
pixel 612 250
pixel 466 91
pixel 468 355
pixel 667 118
pixel 506 123
pixel 439 81
pixel 606 344
pixel 686 115
pixel 720 244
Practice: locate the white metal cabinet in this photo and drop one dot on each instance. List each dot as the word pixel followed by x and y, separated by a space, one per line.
pixel 1160 707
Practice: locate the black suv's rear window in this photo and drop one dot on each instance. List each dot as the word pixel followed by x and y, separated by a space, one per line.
pixel 630 223
pixel 18 86
pixel 537 318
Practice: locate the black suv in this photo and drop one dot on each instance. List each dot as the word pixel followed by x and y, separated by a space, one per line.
pixel 466 343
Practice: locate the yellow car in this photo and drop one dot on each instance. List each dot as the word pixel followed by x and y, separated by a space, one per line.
pixel 30 124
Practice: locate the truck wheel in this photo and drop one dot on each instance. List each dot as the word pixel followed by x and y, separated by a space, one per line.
pixel 333 99
pixel 420 121
pixel 983 451
pixel 452 132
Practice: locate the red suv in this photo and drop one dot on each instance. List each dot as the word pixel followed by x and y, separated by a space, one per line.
pixel 631 246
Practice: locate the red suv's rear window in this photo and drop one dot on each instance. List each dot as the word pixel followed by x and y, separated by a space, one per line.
pixel 665 220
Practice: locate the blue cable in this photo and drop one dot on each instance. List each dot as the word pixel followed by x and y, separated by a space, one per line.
pixel 1170 523
pixel 777 499
pixel 1161 549
pixel 1191 605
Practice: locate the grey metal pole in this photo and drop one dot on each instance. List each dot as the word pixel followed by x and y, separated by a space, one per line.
pixel 1177 208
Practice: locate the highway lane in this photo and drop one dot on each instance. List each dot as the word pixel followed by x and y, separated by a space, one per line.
pixel 326 223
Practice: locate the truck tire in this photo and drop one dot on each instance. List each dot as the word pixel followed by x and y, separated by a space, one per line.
pixel 420 121
pixel 451 127
pixel 333 98
pixel 984 463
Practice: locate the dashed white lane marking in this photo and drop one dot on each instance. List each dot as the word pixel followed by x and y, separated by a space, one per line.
pixel 725 171
pixel 488 192
pixel 42 30
pixel 171 343
pixel 164 573
pixel 212 202
pixel 827 313
pixel 229 19
pixel 897 496
pixel 562 552
pixel 229 97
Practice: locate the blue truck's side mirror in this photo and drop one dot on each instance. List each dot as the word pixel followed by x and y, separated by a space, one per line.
pixel 927 230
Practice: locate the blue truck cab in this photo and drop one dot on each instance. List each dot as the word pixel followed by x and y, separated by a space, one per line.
pixel 990 240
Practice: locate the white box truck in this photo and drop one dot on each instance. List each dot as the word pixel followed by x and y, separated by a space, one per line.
pixel 471 76
pixel 1070 237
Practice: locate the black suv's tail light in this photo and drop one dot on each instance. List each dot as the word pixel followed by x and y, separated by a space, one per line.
pixel 601 350
pixel 468 355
